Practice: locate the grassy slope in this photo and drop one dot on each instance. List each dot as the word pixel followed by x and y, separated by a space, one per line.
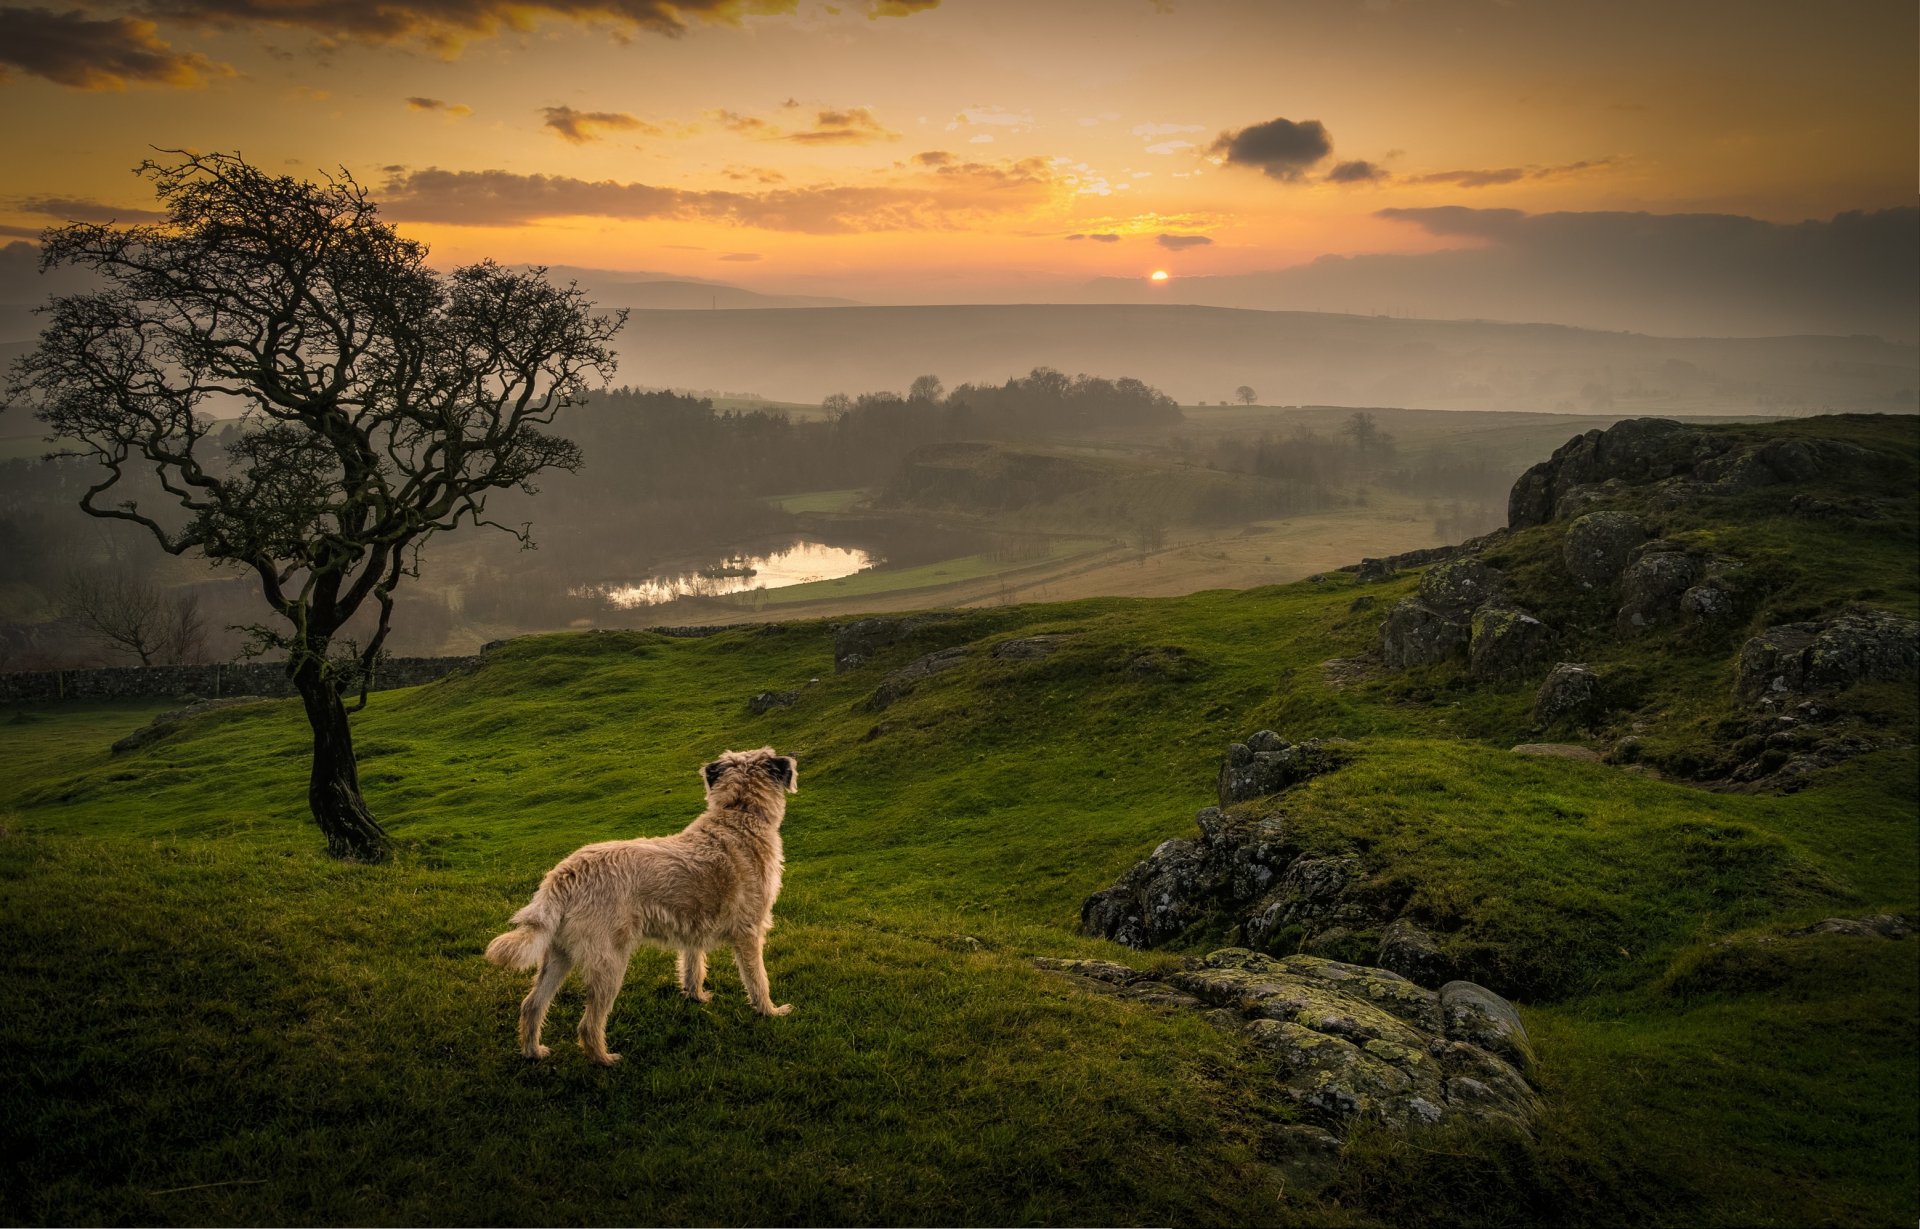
pixel 197 997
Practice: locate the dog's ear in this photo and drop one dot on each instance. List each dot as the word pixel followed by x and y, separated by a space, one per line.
pixel 711 773
pixel 785 770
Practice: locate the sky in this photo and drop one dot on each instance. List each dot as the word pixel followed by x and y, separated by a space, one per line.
pixel 958 150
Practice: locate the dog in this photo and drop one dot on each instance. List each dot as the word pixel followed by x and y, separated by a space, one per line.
pixel 710 884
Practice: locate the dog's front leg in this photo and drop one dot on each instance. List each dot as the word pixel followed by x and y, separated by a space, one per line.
pixel 692 968
pixel 747 950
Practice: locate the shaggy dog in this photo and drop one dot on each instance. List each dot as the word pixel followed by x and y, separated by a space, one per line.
pixel 713 883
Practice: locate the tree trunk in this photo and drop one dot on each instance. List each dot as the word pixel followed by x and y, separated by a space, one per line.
pixel 334 789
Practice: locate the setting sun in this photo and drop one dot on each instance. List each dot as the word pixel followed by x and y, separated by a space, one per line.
pixel 1158 275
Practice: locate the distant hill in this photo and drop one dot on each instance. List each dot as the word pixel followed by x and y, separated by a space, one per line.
pixel 1289 358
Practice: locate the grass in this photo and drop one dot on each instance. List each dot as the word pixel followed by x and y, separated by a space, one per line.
pixel 206 1021
pixel 820 501
pixel 878 581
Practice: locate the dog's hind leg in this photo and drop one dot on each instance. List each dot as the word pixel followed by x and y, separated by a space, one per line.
pixel 603 976
pixel 554 967
pixel 747 955
pixel 692 968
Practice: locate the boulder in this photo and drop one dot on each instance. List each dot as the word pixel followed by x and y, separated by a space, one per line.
pixel 1635 452
pixel 1873 926
pixel 1793 658
pixel 1505 641
pixel 855 643
pixel 1409 950
pixel 1371 570
pixel 1173 887
pixel 1705 604
pixel 1029 648
pixel 1457 587
pixel 1350 1044
pixel 1314 895
pixel 1415 634
pixel 1266 764
pixel 904 680
pixel 1570 693
pixel 768 700
pixel 1651 586
pixel 1598 546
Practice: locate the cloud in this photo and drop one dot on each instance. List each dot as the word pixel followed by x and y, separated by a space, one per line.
pixel 1169 147
pixel 992 117
pixel 1511 174
pixel 741 256
pixel 1280 148
pixel 579 127
pixel 457 110
pixel 980 138
pixel 86 53
pixel 899 8
pixel 1359 171
pixel 75 209
pixel 1165 130
pixel 1101 238
pixel 852 126
pixel 1179 243
pixel 934 157
pixel 949 197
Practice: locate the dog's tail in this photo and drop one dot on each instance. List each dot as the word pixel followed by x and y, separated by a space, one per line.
pixel 524 945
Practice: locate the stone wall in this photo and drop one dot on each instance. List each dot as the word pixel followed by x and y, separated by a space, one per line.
pixel 258 678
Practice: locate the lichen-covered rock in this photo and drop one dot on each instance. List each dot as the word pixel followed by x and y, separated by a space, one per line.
pixel 769 700
pixel 1481 1018
pixel 1371 570
pixel 1266 764
pixel 1570 693
pixel 1598 546
pixel 903 681
pixel 1415 634
pixel 1349 1044
pixel 1651 586
pixel 1873 926
pixel 1314 894
pixel 854 644
pixel 1705 604
pixel 1409 950
pixel 1637 451
pixel 1506 641
pixel 1829 656
pixel 1457 587
pixel 1172 888
pixel 1029 648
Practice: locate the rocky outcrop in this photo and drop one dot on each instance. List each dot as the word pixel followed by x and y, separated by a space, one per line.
pixel 1801 658
pixel 1409 950
pixel 1570 693
pixel 1029 648
pixel 1705 604
pixel 1349 1044
pixel 854 644
pixel 1458 587
pixel 903 681
pixel 1418 635
pixel 1267 763
pixel 767 701
pixel 1599 545
pixel 1873 926
pixel 1506 642
pixel 1651 586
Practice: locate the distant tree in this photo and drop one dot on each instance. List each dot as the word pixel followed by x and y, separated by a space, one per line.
pixel 926 388
pixel 1246 394
pixel 1364 430
pixel 137 617
pixel 380 403
pixel 836 404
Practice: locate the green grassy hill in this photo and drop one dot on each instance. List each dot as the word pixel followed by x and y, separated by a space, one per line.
pixel 207 1021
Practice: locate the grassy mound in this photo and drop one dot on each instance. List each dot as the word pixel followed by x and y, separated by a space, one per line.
pixel 207 1021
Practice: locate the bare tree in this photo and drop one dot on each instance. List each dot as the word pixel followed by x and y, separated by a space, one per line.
pixel 1246 394
pixel 380 402
pixel 136 616
pixel 926 388
pixel 1364 430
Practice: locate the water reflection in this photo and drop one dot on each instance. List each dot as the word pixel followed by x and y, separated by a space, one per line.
pixel 796 565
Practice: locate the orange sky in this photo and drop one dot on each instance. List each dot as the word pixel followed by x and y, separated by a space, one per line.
pixel 933 149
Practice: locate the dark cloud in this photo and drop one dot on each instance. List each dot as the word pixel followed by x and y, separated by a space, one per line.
pixel 953 196
pixel 1358 171
pixel 1100 238
pixel 852 126
pixel 74 209
pixel 456 109
pixel 87 53
pixel 579 127
pixel 1176 243
pixel 934 157
pixel 1280 148
pixel 1511 174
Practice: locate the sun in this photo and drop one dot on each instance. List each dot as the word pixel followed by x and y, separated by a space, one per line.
pixel 1158 275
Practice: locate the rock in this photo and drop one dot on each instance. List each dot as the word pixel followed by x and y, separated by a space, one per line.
pixel 1172 888
pixel 1351 1044
pixel 856 643
pixel 1454 589
pixel 1874 926
pixel 1308 1157
pixel 1415 634
pixel 903 681
pixel 1505 641
pixel 1651 586
pixel 1169 662
pixel 1410 951
pixel 767 700
pixel 1628 750
pixel 1371 570
pixel 1829 656
pixel 1029 648
pixel 1705 604
pixel 1598 546
pixel 1481 1018
pixel 1559 751
pixel 1266 764
pixel 1569 693
pixel 167 722
pixel 1313 894
pixel 1637 451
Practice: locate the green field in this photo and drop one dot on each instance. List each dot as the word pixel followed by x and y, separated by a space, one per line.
pixel 207 1021
pixel 876 581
